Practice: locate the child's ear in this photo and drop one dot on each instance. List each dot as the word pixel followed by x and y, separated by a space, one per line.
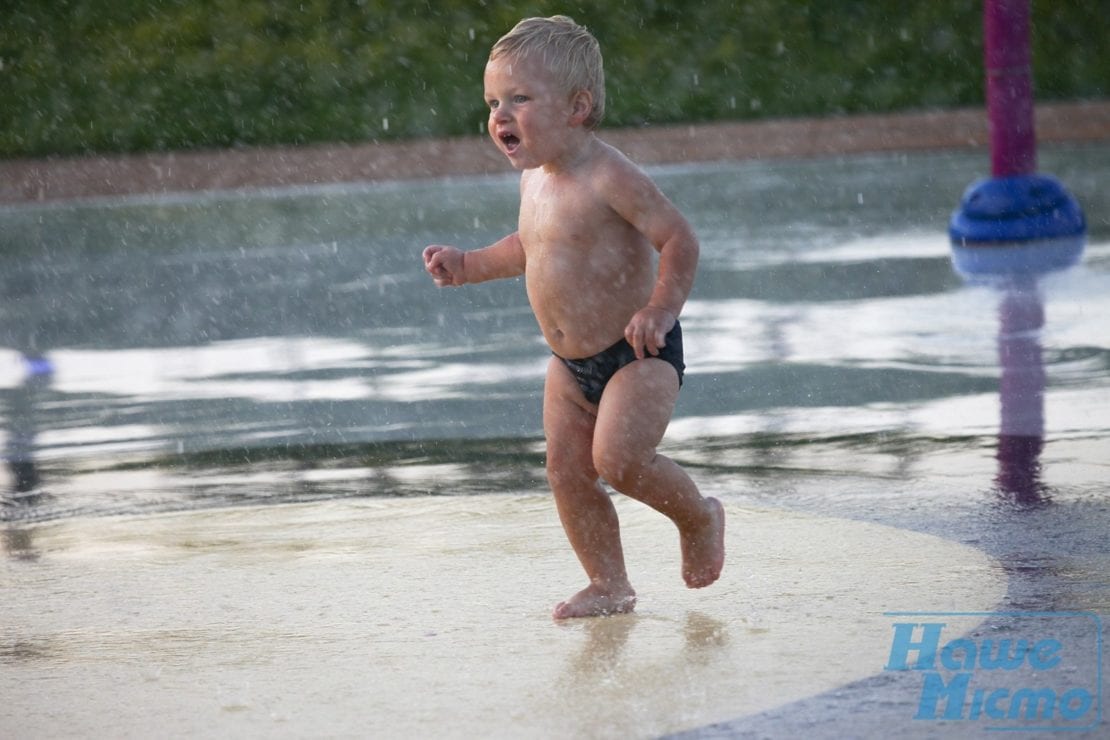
pixel 582 104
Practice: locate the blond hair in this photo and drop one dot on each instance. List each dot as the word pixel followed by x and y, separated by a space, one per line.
pixel 568 51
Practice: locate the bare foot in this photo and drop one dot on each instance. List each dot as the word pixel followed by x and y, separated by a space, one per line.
pixel 703 552
pixel 593 601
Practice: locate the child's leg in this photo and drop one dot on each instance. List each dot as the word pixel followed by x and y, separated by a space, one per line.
pixel 585 509
pixel 632 417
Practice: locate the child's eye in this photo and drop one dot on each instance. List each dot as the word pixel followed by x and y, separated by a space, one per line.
pixel 492 105
pixel 520 98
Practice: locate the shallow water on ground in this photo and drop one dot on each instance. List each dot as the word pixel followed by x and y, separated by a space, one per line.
pixel 189 350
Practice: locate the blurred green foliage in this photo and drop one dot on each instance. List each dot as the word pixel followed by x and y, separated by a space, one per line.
pixel 79 76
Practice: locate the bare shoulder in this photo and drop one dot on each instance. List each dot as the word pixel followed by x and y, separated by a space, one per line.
pixel 612 168
pixel 624 185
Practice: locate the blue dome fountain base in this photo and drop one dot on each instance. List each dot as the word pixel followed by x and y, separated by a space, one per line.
pixel 1025 225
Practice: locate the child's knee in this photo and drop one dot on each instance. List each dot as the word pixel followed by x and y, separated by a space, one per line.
pixel 618 467
pixel 568 472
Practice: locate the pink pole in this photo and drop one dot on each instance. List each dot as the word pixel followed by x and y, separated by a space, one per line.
pixel 1009 87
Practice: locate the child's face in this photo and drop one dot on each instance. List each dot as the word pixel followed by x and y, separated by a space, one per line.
pixel 529 115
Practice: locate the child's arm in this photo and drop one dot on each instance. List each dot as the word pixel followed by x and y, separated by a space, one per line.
pixel 633 195
pixel 451 266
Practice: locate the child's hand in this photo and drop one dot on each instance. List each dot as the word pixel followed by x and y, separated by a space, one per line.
pixel 647 331
pixel 445 265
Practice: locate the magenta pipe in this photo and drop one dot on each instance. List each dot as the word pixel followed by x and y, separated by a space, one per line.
pixel 1009 87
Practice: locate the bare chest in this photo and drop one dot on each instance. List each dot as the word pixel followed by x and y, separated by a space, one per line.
pixel 568 221
pixel 559 219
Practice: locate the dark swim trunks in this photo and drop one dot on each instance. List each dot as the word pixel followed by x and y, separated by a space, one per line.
pixel 594 373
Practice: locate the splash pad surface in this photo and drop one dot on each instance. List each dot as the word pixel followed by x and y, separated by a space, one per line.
pixel 405 617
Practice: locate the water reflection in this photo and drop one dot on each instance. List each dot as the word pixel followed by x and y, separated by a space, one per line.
pixel 22 412
pixel 1021 392
pixel 26 491
pixel 19 543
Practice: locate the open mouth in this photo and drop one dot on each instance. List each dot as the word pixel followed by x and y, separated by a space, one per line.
pixel 510 142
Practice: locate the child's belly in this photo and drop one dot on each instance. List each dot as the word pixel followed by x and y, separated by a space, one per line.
pixel 584 324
